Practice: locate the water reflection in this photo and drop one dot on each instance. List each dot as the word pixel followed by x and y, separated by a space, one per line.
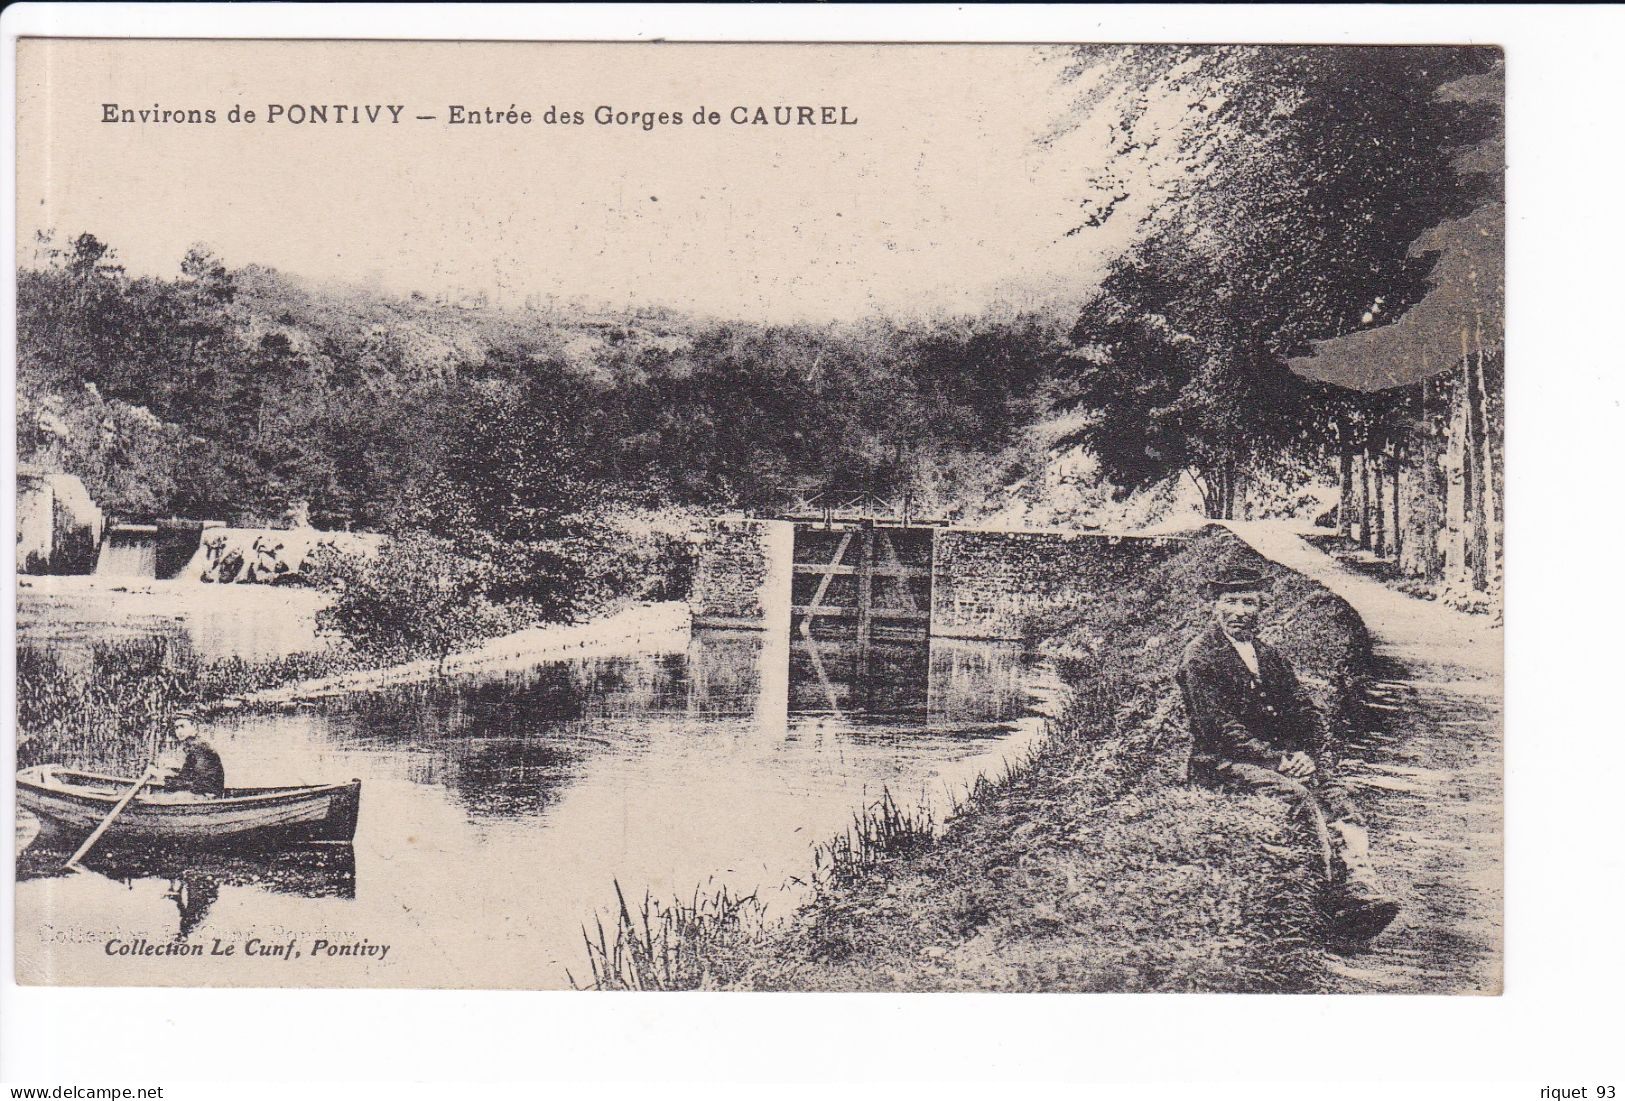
pixel 194 894
pixel 193 881
pixel 887 680
pixel 942 683
pixel 499 810
pixel 502 779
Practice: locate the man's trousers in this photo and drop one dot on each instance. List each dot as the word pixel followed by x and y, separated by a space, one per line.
pixel 1322 803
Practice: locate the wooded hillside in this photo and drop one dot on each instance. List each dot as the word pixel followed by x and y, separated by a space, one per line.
pixel 238 393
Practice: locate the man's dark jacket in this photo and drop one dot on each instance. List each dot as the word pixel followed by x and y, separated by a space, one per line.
pixel 1238 717
pixel 202 772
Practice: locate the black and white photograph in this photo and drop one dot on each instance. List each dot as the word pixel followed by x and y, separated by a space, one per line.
pixel 611 516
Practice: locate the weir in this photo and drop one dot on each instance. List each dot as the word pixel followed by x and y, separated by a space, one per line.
pixel 129 550
pixel 178 541
pixel 158 551
pixel 208 551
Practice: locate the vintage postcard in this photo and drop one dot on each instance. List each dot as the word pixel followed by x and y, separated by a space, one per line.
pixel 759 516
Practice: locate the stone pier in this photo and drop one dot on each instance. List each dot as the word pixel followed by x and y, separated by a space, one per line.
pixel 743 575
pixel 59 527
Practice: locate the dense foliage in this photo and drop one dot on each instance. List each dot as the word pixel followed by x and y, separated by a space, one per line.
pixel 421 597
pixel 237 394
pixel 1289 189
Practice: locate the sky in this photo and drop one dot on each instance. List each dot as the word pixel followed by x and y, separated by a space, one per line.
pixel 939 199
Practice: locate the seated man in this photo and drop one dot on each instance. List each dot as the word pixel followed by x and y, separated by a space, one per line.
pixel 1255 729
pixel 201 772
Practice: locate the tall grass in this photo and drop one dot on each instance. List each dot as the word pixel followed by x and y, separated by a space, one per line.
pixel 108 706
pixel 879 832
pixel 688 945
pixel 110 712
pixel 671 947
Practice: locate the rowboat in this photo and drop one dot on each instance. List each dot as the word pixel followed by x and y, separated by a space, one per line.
pixel 70 804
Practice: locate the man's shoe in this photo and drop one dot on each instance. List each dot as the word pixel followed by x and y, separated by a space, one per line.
pixel 1362 918
pixel 1361 909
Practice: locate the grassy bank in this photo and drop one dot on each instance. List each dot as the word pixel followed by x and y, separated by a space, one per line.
pixel 107 706
pixel 1090 865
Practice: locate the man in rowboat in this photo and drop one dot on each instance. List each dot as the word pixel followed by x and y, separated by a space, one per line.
pixel 201 772
pixel 1254 729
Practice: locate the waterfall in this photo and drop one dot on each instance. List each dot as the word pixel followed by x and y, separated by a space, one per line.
pixel 129 550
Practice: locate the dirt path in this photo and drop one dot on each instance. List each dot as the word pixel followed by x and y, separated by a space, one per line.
pixel 1429 775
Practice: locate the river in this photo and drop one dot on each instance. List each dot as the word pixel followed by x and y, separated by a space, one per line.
pixel 499 810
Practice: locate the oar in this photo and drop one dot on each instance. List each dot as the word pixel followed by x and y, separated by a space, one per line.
pixel 118 808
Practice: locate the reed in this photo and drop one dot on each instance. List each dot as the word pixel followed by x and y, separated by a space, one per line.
pixel 670 947
pixel 110 710
pixel 108 706
pixel 222 678
pixel 880 831
pixel 701 943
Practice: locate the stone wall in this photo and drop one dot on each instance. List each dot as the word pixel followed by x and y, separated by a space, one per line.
pixel 34 500
pixel 983 583
pixel 743 575
pixel 58 526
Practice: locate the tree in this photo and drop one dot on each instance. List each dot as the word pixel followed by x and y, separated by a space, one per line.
pixel 1428 378
pixel 89 258
pixel 1283 199
pixel 1168 386
pixel 517 489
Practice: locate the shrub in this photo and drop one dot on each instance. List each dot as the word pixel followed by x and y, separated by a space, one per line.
pixel 418 597
pixel 647 553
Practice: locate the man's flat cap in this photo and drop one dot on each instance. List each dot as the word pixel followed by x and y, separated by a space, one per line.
pixel 1236 579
